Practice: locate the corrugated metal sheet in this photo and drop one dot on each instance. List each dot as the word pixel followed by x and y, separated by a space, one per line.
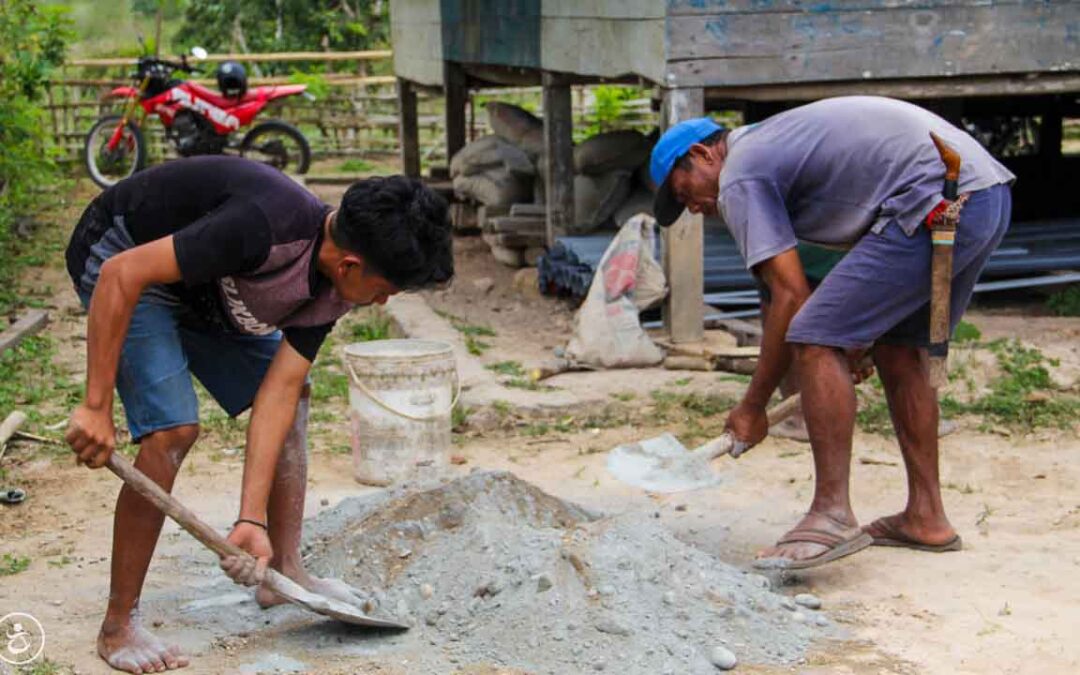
pixel 1030 248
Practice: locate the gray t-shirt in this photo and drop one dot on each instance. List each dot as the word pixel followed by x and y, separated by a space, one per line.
pixel 829 172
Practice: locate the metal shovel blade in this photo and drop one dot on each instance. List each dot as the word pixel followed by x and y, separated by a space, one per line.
pixel 661 464
pixel 321 604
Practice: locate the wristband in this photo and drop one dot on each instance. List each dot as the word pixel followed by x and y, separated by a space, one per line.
pixel 250 522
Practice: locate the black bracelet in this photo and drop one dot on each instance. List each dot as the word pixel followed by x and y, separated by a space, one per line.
pixel 250 522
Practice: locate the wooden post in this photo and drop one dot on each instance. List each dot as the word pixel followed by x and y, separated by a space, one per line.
pixel 457 94
pixel 408 129
pixel 559 148
pixel 684 244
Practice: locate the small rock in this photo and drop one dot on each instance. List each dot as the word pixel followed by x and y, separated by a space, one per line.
pixel 432 618
pixel 788 604
pixel 669 598
pixel 611 627
pixel 426 591
pixel 483 285
pixel 798 617
pixel 808 601
pixel 458 459
pixel 680 507
pixel 821 620
pixel 527 282
pixel 324 502
pixel 599 665
pixel 722 658
pixel 543 583
pixel 758 580
pixel 607 589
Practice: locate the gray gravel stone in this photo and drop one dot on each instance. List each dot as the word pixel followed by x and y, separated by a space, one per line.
pixel 543 583
pixel 808 601
pixel 722 658
pixel 787 603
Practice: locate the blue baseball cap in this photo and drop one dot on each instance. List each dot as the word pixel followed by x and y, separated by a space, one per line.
pixel 675 143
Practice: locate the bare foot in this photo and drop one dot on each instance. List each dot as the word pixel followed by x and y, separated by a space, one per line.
pixel 902 527
pixel 804 550
pixel 132 648
pixel 331 588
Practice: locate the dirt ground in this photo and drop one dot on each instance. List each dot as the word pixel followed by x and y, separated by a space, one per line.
pixel 1007 603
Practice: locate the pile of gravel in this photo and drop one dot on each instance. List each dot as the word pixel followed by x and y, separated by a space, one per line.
pixel 490 570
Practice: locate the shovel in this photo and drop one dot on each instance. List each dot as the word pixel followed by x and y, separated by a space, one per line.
pixel 663 464
pixel 211 539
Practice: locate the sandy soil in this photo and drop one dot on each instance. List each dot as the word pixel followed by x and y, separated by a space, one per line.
pixel 1007 603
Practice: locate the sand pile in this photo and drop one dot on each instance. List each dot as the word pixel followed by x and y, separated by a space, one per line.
pixel 491 570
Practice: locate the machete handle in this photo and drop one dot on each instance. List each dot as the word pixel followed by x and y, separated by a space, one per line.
pixel 950 157
pixel 171 507
pixel 727 444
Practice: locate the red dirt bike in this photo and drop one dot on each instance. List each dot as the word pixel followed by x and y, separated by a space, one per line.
pixel 197 120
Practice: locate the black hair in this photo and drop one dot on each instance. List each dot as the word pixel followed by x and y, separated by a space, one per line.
pixel 712 139
pixel 400 227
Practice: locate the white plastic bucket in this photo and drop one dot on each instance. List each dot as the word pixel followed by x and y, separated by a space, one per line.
pixel 401 394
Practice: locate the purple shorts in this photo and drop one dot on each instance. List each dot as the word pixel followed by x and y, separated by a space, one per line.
pixel 880 291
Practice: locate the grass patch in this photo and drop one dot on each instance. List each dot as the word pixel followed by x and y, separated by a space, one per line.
pixel 476 347
pixel 511 368
pixel 666 405
pixel 966 332
pixel 329 385
pixel 43 667
pixel 13 564
pixel 1022 397
pixel 32 382
pixel 356 165
pixel 466 328
pixel 1065 302
pixel 459 417
pixel 376 327
pixel 624 396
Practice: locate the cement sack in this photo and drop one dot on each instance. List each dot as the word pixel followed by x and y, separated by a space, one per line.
pixel 612 151
pixel 607 332
pixel 488 153
pixel 596 198
pixel 518 126
pixel 494 188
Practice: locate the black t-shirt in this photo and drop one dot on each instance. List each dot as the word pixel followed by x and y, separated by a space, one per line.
pixel 246 239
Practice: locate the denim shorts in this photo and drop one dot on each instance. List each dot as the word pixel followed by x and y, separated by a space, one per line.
pixel 160 355
pixel 880 291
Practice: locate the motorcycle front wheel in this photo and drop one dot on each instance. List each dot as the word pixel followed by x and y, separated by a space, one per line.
pixel 109 167
pixel 279 144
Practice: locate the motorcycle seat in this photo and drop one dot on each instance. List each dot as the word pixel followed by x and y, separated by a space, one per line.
pixel 224 102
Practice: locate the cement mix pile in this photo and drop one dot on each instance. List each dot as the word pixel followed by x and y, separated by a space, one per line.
pixel 489 570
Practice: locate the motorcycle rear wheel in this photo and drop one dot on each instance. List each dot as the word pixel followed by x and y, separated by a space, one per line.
pixel 268 143
pixel 107 168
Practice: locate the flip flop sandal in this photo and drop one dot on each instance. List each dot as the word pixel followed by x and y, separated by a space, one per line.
pixel 895 539
pixel 12 496
pixel 838 547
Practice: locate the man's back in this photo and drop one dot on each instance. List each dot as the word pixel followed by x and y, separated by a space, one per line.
pixel 844 165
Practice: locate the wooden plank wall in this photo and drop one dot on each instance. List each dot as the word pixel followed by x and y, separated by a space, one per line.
pixel 746 42
pixel 416 32
pixel 604 38
pixel 499 32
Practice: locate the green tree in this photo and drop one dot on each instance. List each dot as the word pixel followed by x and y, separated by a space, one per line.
pixel 33 41
pixel 285 25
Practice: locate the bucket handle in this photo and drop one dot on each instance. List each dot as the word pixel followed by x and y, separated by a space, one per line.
pixel 401 413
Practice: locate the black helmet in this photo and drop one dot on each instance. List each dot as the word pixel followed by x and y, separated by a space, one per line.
pixel 232 79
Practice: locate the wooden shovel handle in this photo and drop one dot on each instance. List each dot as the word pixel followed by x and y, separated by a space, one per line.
pixel 726 443
pixel 168 505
